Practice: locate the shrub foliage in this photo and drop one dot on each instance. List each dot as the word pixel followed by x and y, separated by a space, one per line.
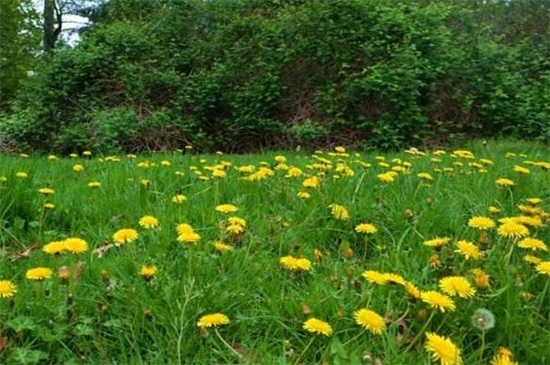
pixel 243 74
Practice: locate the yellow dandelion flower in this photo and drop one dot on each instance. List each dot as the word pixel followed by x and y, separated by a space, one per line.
pixel 75 245
pixel 394 278
pixel 512 230
pixel 370 320
pixel 503 357
pixel 386 178
pixel 481 279
pixel 54 248
pixel 437 242
pixel 222 247
pixel 544 267
pixel 339 212
pixel 318 327
pixel 457 286
pixel 125 235
pixel 312 182
pixel 438 301
pixel 366 228
pixel 39 273
pixel 46 191
pixel 94 184
pixel 148 271
pixel 425 176
pixel 443 349
pixel 294 172
pixel 234 229
pixel 534 201
pixel 340 149
pixel 213 320
pixel 481 223
pixel 189 237
pixel 226 208
pixel 468 250
pixel 78 168
pixel 521 169
pixel 532 259
pixel 303 195
pixel 7 289
pixel 219 173
pixel 237 220
pixel 295 264
pixel 149 222
pixel 493 210
pixel 375 277
pixel 504 182
pixel 21 174
pixel 179 199
pixel 412 290
pixel 49 205
pixel 533 244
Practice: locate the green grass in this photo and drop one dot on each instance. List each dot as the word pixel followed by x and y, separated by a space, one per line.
pixel 108 313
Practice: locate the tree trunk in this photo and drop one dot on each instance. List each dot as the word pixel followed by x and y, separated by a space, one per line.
pixel 52 25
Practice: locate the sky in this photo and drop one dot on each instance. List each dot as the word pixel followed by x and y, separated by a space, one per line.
pixel 70 22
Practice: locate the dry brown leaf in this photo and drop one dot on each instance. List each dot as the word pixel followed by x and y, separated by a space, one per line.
pixel 24 253
pixel 100 251
pixel 306 310
pixel 3 343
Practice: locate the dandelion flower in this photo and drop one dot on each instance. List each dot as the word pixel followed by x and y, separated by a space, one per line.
pixel 234 229
pixel 312 182
pixel 425 176
pixel 295 264
pixel 544 267
pixel 125 235
pixel 303 195
pixel 39 273
pixel 413 290
pixel 375 277
pixel 21 174
pixel 521 169
pixel 213 320
pixel 370 320
pixel 386 178
pixel 533 244
pixel 148 272
pixel 512 230
pixel 457 286
pixel 532 259
pixel 222 247
pixel 438 301
pixel 468 250
pixel 481 223
pixel 7 289
pixel 481 279
pixel 78 168
pixel 483 319
pixel 316 326
pixel 94 184
pixel 189 237
pixel 149 222
pixel 443 349
pixel 54 248
pixel 226 208
pixel 75 245
pixel 46 191
pixel 504 182
pixel 503 357
pixel 339 212
pixel 366 228
pixel 437 242
pixel 493 210
pixel 534 201
pixel 179 199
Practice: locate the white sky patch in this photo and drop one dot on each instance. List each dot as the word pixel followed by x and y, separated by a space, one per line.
pixel 71 23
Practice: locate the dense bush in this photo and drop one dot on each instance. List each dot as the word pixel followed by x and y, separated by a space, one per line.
pixel 246 74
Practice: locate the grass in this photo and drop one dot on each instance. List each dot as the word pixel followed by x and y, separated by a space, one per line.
pixel 106 312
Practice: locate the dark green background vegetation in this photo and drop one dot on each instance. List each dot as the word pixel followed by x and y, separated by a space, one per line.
pixel 239 75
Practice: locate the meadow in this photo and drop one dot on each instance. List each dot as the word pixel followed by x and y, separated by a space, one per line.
pixel 331 257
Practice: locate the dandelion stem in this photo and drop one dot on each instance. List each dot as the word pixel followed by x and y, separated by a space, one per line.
pixel 307 346
pixel 229 347
pixel 482 346
pixel 422 330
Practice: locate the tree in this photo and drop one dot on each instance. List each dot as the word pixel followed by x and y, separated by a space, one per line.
pixel 19 43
